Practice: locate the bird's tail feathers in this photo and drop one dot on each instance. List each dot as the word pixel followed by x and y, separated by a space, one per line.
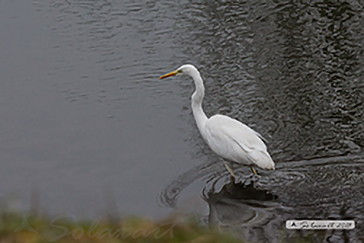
pixel 262 159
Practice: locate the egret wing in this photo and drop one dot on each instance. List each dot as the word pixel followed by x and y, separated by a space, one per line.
pixel 235 141
pixel 239 132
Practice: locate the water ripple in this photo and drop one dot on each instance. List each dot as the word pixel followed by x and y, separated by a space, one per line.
pixel 118 44
pixel 290 70
pixel 320 188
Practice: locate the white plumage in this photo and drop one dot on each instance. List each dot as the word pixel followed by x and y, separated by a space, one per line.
pixel 227 137
pixel 234 141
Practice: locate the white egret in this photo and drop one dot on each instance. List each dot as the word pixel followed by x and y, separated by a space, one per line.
pixel 227 137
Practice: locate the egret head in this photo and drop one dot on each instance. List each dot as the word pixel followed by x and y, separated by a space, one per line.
pixel 186 69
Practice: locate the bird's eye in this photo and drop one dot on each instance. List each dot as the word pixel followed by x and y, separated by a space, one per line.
pixel 179 71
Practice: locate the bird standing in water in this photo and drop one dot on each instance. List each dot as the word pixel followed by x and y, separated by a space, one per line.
pixel 230 139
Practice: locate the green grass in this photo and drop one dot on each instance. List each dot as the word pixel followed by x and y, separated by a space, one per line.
pixel 15 227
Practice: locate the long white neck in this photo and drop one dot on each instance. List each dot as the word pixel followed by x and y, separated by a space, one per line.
pixel 196 101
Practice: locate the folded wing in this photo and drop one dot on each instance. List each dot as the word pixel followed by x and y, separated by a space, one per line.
pixel 237 142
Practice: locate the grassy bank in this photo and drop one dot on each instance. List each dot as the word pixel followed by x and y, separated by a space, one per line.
pixel 15 227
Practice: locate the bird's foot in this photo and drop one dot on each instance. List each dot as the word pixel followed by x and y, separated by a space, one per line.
pixel 233 179
pixel 255 177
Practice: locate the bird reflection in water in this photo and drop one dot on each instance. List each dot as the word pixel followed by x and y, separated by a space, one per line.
pixel 242 210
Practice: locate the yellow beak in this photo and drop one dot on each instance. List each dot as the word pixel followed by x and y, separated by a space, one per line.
pixel 173 73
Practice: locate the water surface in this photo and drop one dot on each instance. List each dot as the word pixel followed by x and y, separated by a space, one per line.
pixel 85 120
